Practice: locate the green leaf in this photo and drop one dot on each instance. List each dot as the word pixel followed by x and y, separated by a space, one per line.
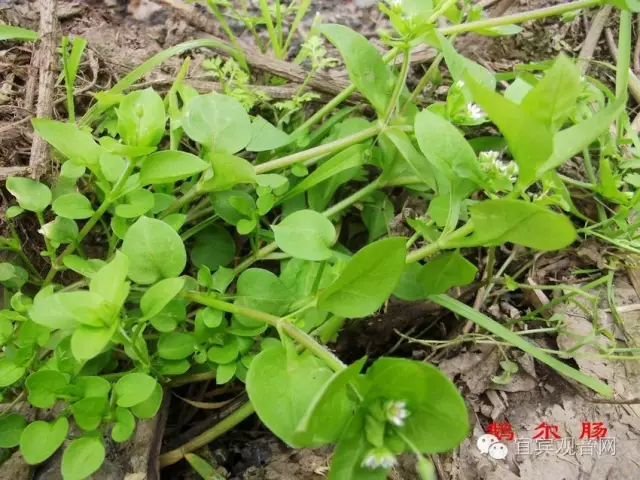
pixel 214 247
pixel 10 373
pixel 459 66
pixel 330 409
pixel 226 353
pixel 113 146
pixel 305 234
pixel 65 310
pixel 40 440
pixel 367 281
pixel 31 195
pixel 349 158
pixel 87 342
pixel 155 251
pixel 212 318
pixel 149 407
pixel 419 164
pixel 261 290
pixel 530 142
pixel 72 142
pixel 432 400
pixel 554 98
pixel 133 388
pixel 93 386
pixel 350 451
pixel 141 118
pixel 224 204
pixel 43 387
pixel 73 205
pixel 138 203
pixel 222 278
pixel 9 32
pixel 281 390
pixel 228 171
pixel 201 466
pixel 88 412
pixel 11 427
pixel 110 281
pixel 446 148
pixel 176 345
pixel 225 373
pixel 449 269
pixel 265 136
pixel 112 167
pixel 72 170
pixel 217 121
pixel 82 457
pixel 573 140
pixel 169 166
pixel 159 295
pixel 522 223
pixel 365 65
pixel 61 230
pixel 13 211
pixel 124 425
pixel 377 215
pixel 167 320
pixel 86 268
pixel 631 5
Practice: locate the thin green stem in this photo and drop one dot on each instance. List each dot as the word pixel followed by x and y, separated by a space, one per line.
pixel 273 37
pixel 302 11
pixel 591 174
pixel 422 84
pixel 223 23
pixel 519 17
pixel 68 81
pixel 400 83
pixel 622 66
pixel 440 244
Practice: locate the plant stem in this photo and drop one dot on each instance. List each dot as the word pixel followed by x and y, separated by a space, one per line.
pixel 424 80
pixel 192 194
pixel 400 83
pixel 518 17
pixel 302 11
pixel 224 24
pixel 622 66
pixel 273 37
pixel 319 151
pixel 440 244
pixel 68 81
pixel 174 456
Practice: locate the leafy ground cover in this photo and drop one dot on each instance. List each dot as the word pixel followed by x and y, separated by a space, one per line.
pixel 232 237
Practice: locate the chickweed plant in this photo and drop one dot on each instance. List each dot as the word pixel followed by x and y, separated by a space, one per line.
pixel 193 236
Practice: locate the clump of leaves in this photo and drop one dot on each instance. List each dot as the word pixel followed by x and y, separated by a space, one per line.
pixel 181 287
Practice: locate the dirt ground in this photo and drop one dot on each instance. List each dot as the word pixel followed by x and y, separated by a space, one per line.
pixel 122 34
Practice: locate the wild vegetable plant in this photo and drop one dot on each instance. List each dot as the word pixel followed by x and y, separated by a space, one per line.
pixel 188 238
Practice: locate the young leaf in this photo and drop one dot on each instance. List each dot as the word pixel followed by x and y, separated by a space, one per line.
pixel 224 373
pixel 93 386
pixel 65 310
pixel 169 166
pixel 217 121
pixel 225 353
pixel 449 269
pixel 43 387
pixel 281 390
pixel 82 457
pixel 88 412
pixel 377 214
pixel 11 427
pixel 425 171
pixel 10 373
pixel 522 223
pixel 124 426
pixel 31 195
pixel 133 388
pixel 141 118
pixel 365 66
pixel 87 342
pixel 367 281
pixel 530 142
pixel 149 407
pixel 159 295
pixel 430 397
pixel 9 32
pixel 460 65
pixel 72 142
pixel 305 234
pixel 40 440
pixel 138 203
pixel 553 99
pixel 61 230
pixel 201 466
pixel 265 137
pixel 86 268
pixel 155 251
pixel 228 171
pixel 330 409
pixel 261 290
pixel 72 205
pixel 72 170
pixel 176 345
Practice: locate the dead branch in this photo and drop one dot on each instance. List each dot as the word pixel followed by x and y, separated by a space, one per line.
pixel 6 172
pixel 45 54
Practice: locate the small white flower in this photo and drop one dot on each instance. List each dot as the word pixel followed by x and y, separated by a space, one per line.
pixel 396 3
pixel 474 112
pixel 396 413
pixel 379 457
pixel 490 156
pixel 460 84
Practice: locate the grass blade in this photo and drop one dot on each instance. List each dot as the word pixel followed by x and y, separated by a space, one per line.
pixel 494 327
pixel 9 32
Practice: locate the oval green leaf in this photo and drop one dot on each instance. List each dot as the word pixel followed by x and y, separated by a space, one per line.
pixel 305 234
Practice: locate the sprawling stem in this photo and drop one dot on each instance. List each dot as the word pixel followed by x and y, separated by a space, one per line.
pixel 519 17
pixel 622 67
pixel 399 86
pixel 440 244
